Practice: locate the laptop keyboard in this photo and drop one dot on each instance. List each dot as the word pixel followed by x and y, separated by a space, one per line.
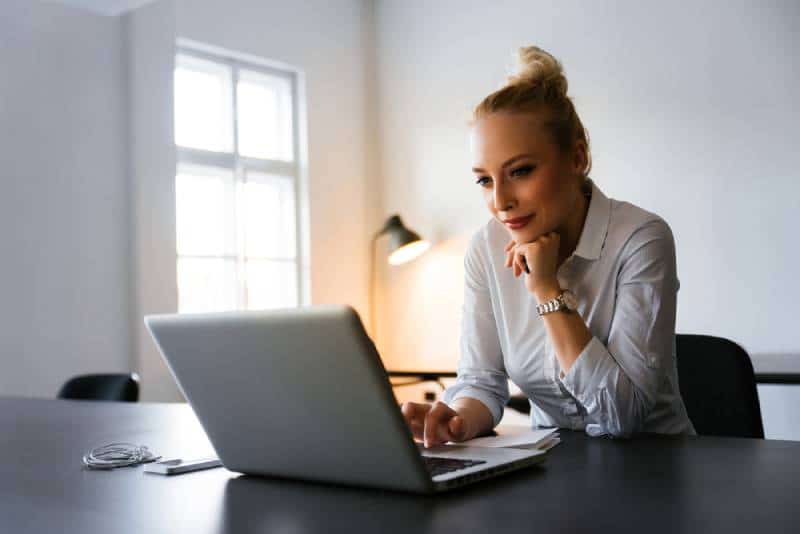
pixel 439 466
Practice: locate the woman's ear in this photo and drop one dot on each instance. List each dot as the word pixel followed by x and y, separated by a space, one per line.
pixel 579 157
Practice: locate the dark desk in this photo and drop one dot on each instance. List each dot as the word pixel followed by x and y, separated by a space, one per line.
pixel 648 484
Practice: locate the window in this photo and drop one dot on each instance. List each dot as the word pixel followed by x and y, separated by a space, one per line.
pixel 236 184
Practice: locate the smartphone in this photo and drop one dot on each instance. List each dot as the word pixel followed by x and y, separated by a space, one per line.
pixel 177 466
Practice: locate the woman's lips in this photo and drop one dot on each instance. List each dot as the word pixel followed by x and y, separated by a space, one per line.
pixel 519 222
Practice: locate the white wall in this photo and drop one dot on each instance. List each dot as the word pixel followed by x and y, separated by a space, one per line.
pixel 691 109
pixel 150 62
pixel 105 7
pixel 63 214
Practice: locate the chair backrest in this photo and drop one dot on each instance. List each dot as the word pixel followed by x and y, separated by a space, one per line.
pixel 107 387
pixel 718 386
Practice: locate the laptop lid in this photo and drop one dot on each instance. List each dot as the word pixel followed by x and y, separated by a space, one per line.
pixel 298 393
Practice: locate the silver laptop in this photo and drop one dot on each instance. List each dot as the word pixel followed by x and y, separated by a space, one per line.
pixel 302 393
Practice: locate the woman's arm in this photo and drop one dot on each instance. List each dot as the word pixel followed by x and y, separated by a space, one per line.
pixel 567 331
pixel 617 384
pixel 482 375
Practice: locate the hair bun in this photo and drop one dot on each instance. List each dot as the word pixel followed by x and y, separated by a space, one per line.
pixel 538 67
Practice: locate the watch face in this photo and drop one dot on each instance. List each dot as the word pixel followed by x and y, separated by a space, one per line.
pixel 569 300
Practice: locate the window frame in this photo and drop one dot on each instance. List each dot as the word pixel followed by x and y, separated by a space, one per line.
pixel 239 165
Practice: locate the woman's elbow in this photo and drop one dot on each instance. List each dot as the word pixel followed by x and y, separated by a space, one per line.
pixel 626 418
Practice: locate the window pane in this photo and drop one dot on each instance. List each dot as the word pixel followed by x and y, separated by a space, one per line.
pixel 206 285
pixel 204 211
pixel 271 284
pixel 269 216
pixel 203 105
pixel 264 116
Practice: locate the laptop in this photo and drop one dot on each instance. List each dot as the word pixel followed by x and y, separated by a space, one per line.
pixel 301 393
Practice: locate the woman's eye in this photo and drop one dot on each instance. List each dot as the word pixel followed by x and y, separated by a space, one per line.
pixel 522 171
pixel 480 181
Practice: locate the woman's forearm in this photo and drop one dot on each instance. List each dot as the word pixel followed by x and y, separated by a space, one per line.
pixel 567 331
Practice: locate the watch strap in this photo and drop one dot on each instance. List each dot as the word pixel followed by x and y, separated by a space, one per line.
pixel 552 305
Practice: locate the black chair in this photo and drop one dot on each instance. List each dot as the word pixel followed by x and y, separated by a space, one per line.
pixel 107 387
pixel 519 403
pixel 718 386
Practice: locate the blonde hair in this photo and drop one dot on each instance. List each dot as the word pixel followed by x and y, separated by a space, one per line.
pixel 540 85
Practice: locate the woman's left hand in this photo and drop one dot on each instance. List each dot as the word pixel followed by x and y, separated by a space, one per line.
pixel 541 256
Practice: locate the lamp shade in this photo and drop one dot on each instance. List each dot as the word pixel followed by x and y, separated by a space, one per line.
pixel 404 244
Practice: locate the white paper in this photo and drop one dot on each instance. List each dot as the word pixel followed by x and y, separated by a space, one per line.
pixel 543 446
pixel 513 436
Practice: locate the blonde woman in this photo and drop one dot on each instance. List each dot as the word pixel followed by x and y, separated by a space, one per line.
pixel 570 294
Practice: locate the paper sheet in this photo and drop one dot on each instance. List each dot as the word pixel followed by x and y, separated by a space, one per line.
pixel 543 446
pixel 514 436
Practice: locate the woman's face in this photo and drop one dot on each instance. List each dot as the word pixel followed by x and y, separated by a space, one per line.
pixel 521 173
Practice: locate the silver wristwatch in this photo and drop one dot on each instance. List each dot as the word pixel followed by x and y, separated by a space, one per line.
pixel 565 301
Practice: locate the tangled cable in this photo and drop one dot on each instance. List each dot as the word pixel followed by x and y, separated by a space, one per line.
pixel 120 454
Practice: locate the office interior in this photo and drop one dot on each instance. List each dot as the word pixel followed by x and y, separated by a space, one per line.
pixel 691 113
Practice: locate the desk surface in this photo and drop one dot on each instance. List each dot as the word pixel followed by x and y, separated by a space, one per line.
pixel 650 483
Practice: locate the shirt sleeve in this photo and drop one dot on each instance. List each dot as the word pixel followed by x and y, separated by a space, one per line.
pixel 617 384
pixel 481 372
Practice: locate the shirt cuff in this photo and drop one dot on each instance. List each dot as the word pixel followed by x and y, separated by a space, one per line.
pixel 489 400
pixel 588 370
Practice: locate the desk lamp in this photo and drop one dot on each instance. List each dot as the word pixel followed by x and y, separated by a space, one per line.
pixel 404 246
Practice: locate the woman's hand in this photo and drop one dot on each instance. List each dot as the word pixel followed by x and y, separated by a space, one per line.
pixel 434 424
pixel 541 255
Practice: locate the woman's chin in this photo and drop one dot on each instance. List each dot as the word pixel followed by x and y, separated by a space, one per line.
pixel 523 235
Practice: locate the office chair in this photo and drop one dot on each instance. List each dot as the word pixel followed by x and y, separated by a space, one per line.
pixel 718 386
pixel 107 387
pixel 519 403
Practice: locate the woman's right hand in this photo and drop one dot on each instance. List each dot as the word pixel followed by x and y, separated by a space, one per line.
pixel 434 424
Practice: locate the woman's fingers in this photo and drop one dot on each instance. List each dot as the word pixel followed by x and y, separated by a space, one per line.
pixel 434 424
pixel 518 265
pixel 456 428
pixel 437 424
pixel 521 263
pixel 414 414
pixel 417 430
pixel 510 252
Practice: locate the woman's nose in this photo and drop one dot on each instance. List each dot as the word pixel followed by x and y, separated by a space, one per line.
pixel 502 201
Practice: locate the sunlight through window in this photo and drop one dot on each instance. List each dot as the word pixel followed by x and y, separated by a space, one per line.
pixel 235 189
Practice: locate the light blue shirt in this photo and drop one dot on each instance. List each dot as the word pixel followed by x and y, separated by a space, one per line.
pixel 623 273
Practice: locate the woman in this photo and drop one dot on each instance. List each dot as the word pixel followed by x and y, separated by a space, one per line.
pixel 570 294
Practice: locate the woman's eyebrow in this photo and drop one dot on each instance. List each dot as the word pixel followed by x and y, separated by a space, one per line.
pixel 506 164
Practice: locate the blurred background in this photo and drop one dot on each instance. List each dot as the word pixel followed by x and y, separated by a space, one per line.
pixel 192 155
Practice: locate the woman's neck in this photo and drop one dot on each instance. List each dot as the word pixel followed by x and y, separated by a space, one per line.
pixel 571 233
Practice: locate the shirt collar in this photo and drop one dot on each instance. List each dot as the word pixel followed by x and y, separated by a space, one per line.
pixel 595 227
